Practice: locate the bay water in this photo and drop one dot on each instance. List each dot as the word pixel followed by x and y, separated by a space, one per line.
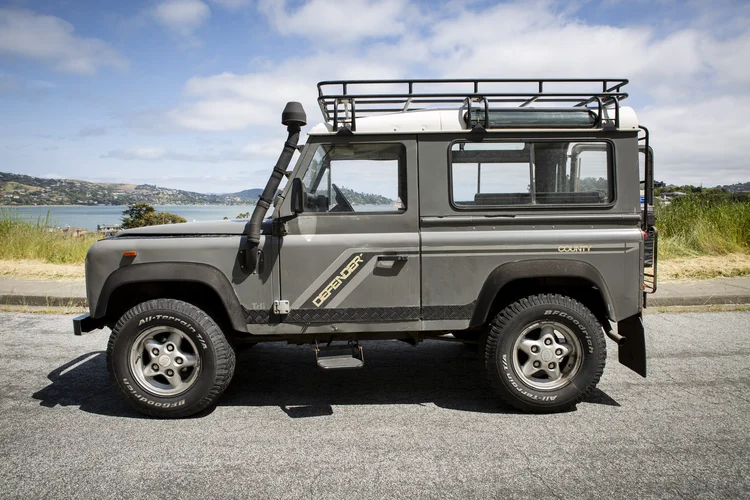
pixel 90 216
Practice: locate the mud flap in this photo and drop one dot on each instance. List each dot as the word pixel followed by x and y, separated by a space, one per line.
pixel 632 353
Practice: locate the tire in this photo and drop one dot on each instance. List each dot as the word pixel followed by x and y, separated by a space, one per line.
pixel 569 367
pixel 189 364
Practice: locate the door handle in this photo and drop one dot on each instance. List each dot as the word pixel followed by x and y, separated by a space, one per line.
pixel 392 258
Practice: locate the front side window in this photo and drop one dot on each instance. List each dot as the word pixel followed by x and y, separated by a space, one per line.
pixel 355 178
pixel 530 173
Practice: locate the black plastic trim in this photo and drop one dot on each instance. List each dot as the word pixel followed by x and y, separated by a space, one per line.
pixel 632 353
pixel 548 268
pixel 174 272
pixel 85 323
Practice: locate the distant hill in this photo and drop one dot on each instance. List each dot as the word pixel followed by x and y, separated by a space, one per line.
pixel 17 189
pixel 740 187
pixel 249 194
pixel 356 198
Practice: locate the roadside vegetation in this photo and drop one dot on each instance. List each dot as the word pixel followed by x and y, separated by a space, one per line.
pixel 23 240
pixel 703 225
pixel 38 249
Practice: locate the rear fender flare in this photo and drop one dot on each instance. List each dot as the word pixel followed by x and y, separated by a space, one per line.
pixel 548 268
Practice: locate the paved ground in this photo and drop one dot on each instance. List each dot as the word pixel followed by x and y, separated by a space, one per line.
pixel 414 423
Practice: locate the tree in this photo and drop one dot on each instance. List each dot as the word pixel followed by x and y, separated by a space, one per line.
pixel 143 214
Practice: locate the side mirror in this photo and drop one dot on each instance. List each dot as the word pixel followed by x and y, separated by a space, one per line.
pixel 297 203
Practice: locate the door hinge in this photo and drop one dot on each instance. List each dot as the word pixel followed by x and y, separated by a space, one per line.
pixel 279 228
pixel 281 307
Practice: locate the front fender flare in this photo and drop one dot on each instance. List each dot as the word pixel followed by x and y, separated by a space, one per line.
pixel 174 272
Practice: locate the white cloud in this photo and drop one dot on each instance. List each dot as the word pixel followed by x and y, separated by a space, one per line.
pixel 24 33
pixel 229 101
pixel 182 17
pixel 93 131
pixel 249 152
pixel 137 153
pixel 232 4
pixel 333 22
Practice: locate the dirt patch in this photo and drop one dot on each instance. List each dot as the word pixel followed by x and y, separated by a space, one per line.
pixel 40 270
pixel 726 266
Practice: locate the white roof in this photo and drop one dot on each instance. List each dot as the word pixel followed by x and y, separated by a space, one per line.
pixel 445 120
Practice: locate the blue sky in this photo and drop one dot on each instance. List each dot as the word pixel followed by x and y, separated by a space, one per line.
pixel 188 93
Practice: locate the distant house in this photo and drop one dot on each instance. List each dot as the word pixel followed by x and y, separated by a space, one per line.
pixel 108 229
pixel 75 231
pixel 667 197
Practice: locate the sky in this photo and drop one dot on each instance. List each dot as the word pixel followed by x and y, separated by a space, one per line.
pixel 188 93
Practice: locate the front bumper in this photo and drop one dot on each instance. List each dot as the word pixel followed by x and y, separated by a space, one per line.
pixel 84 324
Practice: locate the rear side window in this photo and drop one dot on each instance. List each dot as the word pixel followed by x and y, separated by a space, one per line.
pixel 531 173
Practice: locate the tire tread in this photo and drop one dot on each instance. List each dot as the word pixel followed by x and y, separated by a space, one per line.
pixel 225 358
pixel 497 329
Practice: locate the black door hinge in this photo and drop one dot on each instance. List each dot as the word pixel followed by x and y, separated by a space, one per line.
pixel 279 228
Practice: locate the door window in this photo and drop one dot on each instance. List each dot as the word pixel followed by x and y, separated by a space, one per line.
pixel 351 178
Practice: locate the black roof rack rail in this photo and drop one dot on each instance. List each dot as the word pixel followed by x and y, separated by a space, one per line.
pixel 343 101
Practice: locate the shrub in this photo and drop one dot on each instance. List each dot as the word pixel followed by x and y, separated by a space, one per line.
pixel 143 214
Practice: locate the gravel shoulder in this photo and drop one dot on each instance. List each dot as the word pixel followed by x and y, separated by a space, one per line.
pixel 418 422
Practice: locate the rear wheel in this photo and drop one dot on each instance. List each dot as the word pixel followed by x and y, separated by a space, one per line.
pixel 544 353
pixel 169 359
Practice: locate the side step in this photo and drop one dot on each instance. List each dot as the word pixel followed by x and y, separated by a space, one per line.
pixel 340 357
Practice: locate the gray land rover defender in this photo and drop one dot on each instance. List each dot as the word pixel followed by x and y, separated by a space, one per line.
pixel 516 225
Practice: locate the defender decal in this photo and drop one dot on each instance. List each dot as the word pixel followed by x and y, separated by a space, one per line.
pixel 348 270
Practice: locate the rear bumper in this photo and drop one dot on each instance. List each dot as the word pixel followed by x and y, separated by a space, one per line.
pixel 84 324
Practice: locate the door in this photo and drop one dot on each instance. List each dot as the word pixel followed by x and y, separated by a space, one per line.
pixel 350 261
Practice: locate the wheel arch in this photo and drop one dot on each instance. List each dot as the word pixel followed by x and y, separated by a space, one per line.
pixel 199 284
pixel 513 280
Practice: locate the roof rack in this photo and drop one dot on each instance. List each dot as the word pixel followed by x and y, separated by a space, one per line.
pixel 342 102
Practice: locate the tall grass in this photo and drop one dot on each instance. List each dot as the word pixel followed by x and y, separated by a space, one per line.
pixel 697 225
pixel 38 240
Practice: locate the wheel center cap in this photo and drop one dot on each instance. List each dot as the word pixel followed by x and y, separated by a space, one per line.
pixel 547 356
pixel 164 360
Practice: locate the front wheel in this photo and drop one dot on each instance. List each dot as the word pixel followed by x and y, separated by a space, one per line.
pixel 544 353
pixel 169 359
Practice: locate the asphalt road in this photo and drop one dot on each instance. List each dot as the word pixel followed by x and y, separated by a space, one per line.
pixel 416 422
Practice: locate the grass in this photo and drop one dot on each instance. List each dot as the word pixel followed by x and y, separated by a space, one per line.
pixel 704 266
pixel 39 241
pixel 700 225
pixel 28 269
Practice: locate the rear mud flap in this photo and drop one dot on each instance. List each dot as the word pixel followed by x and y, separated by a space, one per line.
pixel 632 352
